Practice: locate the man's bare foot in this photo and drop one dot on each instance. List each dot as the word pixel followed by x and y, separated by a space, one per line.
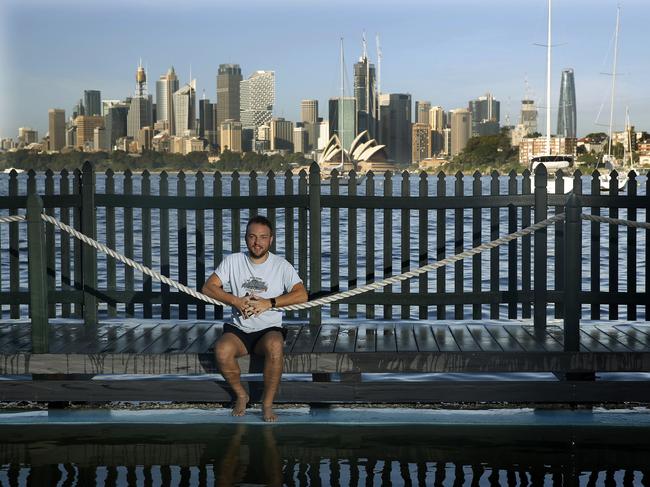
pixel 268 414
pixel 240 406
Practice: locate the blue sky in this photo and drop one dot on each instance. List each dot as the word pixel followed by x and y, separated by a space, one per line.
pixel 443 51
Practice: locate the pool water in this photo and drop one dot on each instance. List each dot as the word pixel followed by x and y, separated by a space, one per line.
pixel 324 447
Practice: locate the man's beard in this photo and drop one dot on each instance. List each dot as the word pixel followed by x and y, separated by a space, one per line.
pixel 262 253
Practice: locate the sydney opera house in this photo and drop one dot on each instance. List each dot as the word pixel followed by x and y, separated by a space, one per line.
pixel 364 154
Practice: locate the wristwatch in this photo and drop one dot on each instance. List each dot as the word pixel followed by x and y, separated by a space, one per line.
pixel 272 302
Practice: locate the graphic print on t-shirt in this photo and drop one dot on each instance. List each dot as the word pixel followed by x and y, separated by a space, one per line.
pixel 255 285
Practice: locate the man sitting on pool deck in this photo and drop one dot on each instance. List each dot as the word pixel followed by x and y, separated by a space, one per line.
pixel 258 281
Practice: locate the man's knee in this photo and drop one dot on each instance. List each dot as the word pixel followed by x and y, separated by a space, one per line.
pixel 273 347
pixel 225 352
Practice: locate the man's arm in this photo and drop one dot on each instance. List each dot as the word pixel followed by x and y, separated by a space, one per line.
pixel 298 294
pixel 213 287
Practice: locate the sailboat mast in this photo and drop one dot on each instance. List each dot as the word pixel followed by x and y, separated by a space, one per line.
pixel 378 80
pixel 548 82
pixel 611 103
pixel 341 114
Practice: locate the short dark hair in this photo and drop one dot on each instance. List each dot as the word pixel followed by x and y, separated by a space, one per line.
pixel 261 220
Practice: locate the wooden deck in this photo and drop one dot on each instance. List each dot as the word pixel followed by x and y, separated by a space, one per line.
pixel 153 348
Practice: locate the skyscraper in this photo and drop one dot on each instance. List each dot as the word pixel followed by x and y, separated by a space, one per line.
pixel 257 96
pixel 231 136
pixel 185 109
pixel 343 119
pixel 92 103
pixel 566 113
pixel 140 109
pixel 529 116
pixel 86 130
pixel 166 86
pixel 309 111
pixel 421 141
pixel 56 123
pixel 364 94
pixel 228 96
pixel 281 134
pixel 395 131
pixel 461 130
pixel 485 112
pixel 422 112
pixel 206 116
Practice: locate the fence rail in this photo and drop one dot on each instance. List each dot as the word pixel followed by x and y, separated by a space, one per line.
pixel 381 232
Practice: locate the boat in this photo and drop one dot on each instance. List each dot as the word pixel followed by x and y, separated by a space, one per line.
pixel 10 169
pixel 554 164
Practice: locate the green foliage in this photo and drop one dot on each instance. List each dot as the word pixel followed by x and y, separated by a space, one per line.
pixel 486 153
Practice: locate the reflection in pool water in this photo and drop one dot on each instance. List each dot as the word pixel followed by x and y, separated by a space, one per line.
pixel 322 454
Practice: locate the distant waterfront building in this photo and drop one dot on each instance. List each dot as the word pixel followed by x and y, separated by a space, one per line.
pixel 86 126
pixel 56 126
pixel 281 134
pixel 364 94
pixel 71 136
pixel 106 104
pixel 206 120
pixel 395 126
pixel 92 103
pixel 437 118
pixel 115 123
pixel 421 141
pixel 185 110
pixel 423 112
pixel 528 117
pixel 446 141
pixel 309 111
pixel 231 136
pixel 100 143
pixel 27 135
pixel 461 130
pixel 566 114
pixel 257 96
pixel 343 119
pixel 141 106
pixel 166 86
pixel 229 78
pixel 78 109
pixel 536 146
pixel 300 139
pixel 485 112
pixel 323 134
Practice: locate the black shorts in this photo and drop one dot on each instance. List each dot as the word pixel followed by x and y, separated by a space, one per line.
pixel 251 339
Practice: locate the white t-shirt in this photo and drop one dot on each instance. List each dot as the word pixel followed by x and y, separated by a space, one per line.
pixel 270 279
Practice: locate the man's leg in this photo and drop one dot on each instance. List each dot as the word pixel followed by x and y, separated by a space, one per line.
pixel 271 346
pixel 227 349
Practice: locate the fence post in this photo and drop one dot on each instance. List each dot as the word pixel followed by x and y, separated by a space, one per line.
pixel 315 256
pixel 572 263
pixel 88 254
pixel 541 213
pixel 37 274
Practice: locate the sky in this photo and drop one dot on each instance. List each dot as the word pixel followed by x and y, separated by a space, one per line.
pixel 443 51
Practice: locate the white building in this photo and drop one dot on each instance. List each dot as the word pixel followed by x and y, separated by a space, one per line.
pixel 184 110
pixel 257 97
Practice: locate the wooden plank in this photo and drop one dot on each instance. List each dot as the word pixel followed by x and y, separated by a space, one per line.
pixel 484 338
pixel 424 339
pixel 326 339
pixel 199 236
pixel 111 265
pixel 388 241
pixel 366 339
pixel 182 241
pixel 423 243
pixel 386 338
pixel 64 238
pixel 352 243
pixel 552 340
pixel 292 335
pixel 205 342
pixel 605 338
pixel 444 338
pixel 441 225
pixel 270 211
pixel 512 247
pixel 50 244
pixel 459 266
pixel 14 256
pixel 405 338
pixel 306 339
pixel 594 276
pixel 464 338
pixel 302 238
pixel 346 339
pixel 94 340
pixel 613 247
pixel 370 241
pixel 526 340
pixel 187 335
pixel 631 247
pixel 591 342
pixel 627 342
pixel 494 253
pixel 560 264
pixel 16 338
pixel 405 245
pixel 335 252
pixel 477 224
pixel 526 253
pixel 163 190
pixel 128 240
pixel 119 341
pixel 289 248
pixel 505 340
pixel 587 344
pixel 171 338
pixel 235 215
pixel 146 244
pixel 61 335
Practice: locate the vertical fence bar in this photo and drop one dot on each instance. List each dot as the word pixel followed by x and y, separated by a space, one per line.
pixel 512 249
pixel 559 245
pixel 78 278
pixel 631 247
pixel 595 248
pixel 477 224
pixel 577 190
pixel 302 236
pixel 526 249
pixel 181 191
pixel 252 192
pixel 613 248
pixel 147 286
pixel 270 211
pixel 335 243
pixel 50 245
pixel 14 256
pixel 423 243
pixel 89 254
pixel 111 269
pixel 163 191
pixel 388 241
pixel 440 245
pixel 405 243
pixel 494 253
pixel 541 213
pixel 459 266
pixel 217 233
pixel 352 242
pixel 199 190
pixel 571 276
pixel 315 255
pixel 370 241
pixel 647 251
pixel 235 215
pixel 128 244
pixel 289 249
pixel 66 283
pixel 37 275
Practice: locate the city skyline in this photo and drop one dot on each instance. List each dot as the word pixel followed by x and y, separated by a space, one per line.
pixel 445 61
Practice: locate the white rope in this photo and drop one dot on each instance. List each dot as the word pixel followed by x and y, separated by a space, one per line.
pixel 12 218
pixel 616 221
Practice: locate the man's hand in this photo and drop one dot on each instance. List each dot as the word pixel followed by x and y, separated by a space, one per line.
pixel 244 306
pixel 258 305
